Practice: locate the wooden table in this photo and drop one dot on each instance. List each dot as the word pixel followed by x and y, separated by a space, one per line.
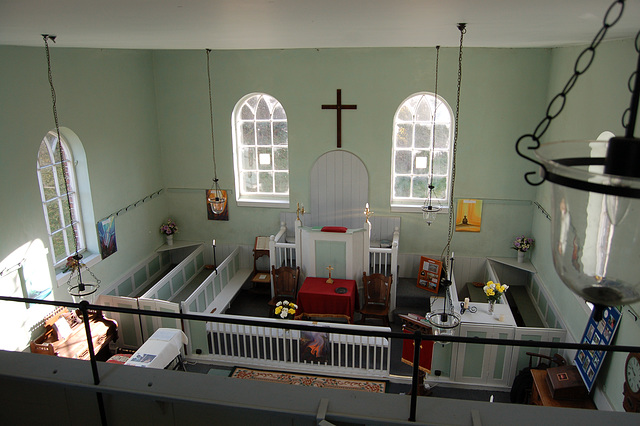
pixel 540 394
pixel 317 297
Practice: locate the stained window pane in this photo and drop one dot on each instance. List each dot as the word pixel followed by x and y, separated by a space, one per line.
pixel 405 114
pixel 53 214
pixel 280 133
pixel 282 182
pixel 59 248
pixel 264 159
pixel 248 134
pixel 262 112
pixel 439 187
pixel 402 186
pixel 246 113
pixel 404 135
pixel 442 136
pixel 424 112
pixel 403 161
pixel 440 162
pixel 249 182
pixel 278 113
pixel 421 163
pixel 266 182
pixel 264 133
pixel 248 158
pixel 423 136
pixel 281 158
pixel 44 158
pixel 420 187
pixel 48 183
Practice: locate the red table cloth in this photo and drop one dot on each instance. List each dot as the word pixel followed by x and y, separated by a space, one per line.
pixel 317 297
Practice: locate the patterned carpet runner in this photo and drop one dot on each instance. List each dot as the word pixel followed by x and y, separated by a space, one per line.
pixel 307 380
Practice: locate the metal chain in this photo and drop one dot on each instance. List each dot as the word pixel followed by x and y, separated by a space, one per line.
pixel 213 143
pixel 555 107
pixel 463 31
pixel 629 115
pixel 63 164
pixel 433 125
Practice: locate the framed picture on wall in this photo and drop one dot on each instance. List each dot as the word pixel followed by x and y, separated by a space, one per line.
pixel 429 274
pixel 600 332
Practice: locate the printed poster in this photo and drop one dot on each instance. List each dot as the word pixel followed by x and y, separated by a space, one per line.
pixel 468 215
pixel 107 236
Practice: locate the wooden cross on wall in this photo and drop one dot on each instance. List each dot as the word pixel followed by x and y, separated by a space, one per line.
pixel 339 107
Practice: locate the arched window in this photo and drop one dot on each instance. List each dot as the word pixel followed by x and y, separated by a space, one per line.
pixel 60 202
pixel 422 144
pixel 261 151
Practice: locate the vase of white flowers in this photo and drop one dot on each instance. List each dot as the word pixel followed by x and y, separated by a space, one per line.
pixel 285 309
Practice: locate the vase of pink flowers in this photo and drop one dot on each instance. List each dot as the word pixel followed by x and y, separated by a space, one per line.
pixel 522 244
pixel 168 229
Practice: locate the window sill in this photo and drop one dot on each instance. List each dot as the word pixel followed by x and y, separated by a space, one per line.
pixel 89 260
pixel 401 208
pixel 279 204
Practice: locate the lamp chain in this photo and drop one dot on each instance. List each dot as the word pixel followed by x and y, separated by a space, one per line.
pixel 555 107
pixel 630 114
pixel 463 31
pixel 433 130
pixel 213 143
pixel 63 163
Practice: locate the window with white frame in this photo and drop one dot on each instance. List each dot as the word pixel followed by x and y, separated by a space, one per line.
pixel 422 150
pixel 59 201
pixel 261 151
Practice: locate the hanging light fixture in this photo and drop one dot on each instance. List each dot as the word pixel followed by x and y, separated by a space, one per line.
pixel 429 211
pixel 446 320
pixel 216 197
pixel 74 263
pixel 595 195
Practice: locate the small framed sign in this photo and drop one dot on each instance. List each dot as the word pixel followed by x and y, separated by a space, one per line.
pixel 429 274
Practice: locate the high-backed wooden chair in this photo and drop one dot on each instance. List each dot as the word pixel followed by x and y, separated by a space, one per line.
pixel 377 291
pixel 285 284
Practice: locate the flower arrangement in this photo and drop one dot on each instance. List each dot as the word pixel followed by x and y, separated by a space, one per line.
pixel 522 243
pixel 285 309
pixel 169 228
pixel 494 291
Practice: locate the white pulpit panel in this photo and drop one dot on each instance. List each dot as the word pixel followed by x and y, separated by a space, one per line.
pixel 345 252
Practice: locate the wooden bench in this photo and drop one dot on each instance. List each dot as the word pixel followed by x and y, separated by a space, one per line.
pixel 74 344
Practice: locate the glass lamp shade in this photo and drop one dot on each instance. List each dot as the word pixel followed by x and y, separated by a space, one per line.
pixel 217 201
pixel 429 213
pixel 595 231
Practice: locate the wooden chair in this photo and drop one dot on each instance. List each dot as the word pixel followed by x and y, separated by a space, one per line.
pixel 285 284
pixel 377 290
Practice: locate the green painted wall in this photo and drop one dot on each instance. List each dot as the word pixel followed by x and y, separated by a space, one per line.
pixel 107 97
pixel 501 90
pixel 595 104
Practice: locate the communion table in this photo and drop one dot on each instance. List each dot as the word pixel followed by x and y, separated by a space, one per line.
pixel 316 296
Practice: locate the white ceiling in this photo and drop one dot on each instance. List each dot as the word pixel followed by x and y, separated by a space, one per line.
pixel 268 24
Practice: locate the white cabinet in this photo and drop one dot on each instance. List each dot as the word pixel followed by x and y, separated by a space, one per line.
pixel 484 364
